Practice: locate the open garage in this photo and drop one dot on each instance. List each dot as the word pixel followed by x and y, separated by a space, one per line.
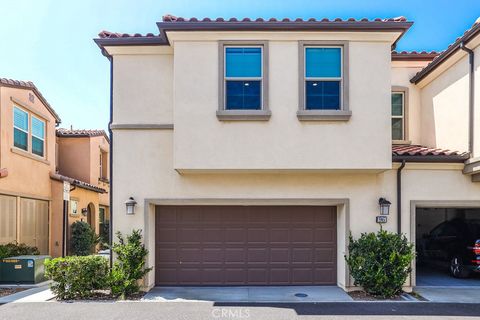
pixel 446 240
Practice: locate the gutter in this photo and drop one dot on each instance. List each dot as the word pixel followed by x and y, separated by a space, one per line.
pixel 399 197
pixel 471 96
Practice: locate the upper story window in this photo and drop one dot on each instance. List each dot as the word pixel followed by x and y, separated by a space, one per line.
pixel 399 105
pixel 243 78
pixel 20 128
pixel 28 132
pixel 323 78
pixel 398 116
pixel 103 165
pixel 323 87
pixel 38 136
pixel 243 81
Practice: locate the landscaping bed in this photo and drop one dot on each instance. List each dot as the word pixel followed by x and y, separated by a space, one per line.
pixel 105 296
pixel 8 291
pixel 364 296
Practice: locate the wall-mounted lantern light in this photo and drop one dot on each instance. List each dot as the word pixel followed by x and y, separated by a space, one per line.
pixel 84 211
pixel 384 206
pixel 130 203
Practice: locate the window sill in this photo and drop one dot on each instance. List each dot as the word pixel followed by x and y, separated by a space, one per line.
pixel 401 142
pixel 324 115
pixel 244 115
pixel 29 155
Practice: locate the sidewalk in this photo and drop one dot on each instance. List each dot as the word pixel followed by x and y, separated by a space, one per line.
pixel 38 294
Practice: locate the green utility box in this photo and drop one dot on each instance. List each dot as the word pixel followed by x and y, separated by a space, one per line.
pixel 23 269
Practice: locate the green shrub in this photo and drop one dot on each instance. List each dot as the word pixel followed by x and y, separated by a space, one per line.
pixel 83 240
pixel 77 277
pixel 16 249
pixel 104 235
pixel 129 266
pixel 380 262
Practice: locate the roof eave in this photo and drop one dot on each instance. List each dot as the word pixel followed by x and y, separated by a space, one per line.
pixel 432 158
pixel 473 32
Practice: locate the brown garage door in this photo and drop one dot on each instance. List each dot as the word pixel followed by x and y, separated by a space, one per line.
pixel 245 245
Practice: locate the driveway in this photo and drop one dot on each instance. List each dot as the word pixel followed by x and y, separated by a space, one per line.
pixel 207 311
pixel 249 294
pixel 440 278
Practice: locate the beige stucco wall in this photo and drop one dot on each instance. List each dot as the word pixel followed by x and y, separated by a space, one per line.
pixel 402 72
pixel 97 145
pixel 202 142
pixel 27 175
pixel 74 158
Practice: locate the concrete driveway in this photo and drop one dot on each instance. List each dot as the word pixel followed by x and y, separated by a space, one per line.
pixel 214 311
pixel 248 294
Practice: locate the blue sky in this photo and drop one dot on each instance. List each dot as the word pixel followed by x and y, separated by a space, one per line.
pixel 50 41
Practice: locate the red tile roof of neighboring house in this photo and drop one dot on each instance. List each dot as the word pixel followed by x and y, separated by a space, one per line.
pixel 4 82
pixel 414 55
pixel 78 183
pixel 452 48
pixel 416 152
pixel 173 23
pixel 81 133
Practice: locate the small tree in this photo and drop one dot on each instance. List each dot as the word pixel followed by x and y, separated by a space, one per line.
pixel 380 262
pixel 83 240
pixel 129 266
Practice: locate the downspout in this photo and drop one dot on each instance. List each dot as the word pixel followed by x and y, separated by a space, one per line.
pixel 110 58
pixel 471 97
pixel 399 197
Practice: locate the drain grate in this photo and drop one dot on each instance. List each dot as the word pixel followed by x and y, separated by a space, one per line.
pixel 301 295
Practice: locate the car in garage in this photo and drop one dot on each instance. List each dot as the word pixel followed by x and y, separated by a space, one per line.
pixel 453 244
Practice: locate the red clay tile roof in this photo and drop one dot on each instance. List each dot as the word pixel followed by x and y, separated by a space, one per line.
pixel 413 152
pixel 78 183
pixel 4 82
pixel 414 55
pixel 81 133
pixel 173 23
pixel 452 48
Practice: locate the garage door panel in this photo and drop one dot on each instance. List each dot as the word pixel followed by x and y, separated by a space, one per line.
pixel 255 245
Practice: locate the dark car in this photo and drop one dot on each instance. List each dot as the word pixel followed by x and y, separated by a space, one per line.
pixel 453 244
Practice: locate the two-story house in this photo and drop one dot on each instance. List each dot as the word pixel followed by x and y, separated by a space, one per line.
pixel 35 159
pixel 253 148
pixel 27 156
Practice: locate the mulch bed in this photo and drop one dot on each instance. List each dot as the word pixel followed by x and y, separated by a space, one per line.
pixel 8 291
pixel 363 296
pixel 105 296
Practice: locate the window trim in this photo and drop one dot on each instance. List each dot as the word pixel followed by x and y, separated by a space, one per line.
pixel 246 115
pixel 34 136
pixel 405 92
pixel 344 113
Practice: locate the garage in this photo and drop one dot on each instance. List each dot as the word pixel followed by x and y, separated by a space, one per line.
pixel 245 245
pixel 446 240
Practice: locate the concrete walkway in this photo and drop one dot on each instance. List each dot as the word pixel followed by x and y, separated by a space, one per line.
pixel 247 294
pixel 38 294
pixel 450 294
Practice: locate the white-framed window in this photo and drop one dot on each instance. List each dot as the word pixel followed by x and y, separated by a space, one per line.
pixel 323 77
pixel 398 115
pixel 20 128
pixel 28 132
pixel 243 77
pixel 38 136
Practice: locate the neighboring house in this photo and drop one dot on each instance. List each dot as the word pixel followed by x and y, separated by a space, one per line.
pixel 254 148
pixel 27 156
pixel 35 160
pixel 82 160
